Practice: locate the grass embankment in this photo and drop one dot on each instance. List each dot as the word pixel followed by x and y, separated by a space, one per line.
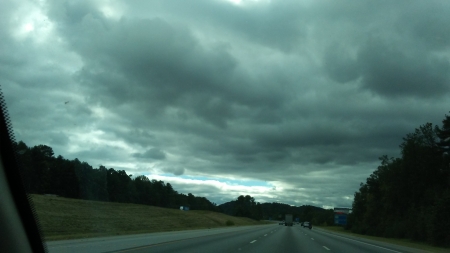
pixel 63 218
pixel 401 242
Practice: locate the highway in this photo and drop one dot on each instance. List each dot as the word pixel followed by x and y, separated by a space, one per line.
pixel 264 238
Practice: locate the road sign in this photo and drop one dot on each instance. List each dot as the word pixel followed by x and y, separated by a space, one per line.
pixel 342 210
pixel 340 219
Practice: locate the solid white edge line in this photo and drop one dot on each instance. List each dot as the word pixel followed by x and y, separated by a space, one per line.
pixel 253 241
pixel 363 242
pixel 326 248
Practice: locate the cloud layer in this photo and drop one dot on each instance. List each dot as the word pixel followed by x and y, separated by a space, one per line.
pixel 301 95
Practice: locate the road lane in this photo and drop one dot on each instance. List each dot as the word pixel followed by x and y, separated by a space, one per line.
pixel 286 239
pixel 281 239
pixel 105 244
pixel 225 242
pixel 265 238
pixel 299 239
pixel 339 244
pixel 338 240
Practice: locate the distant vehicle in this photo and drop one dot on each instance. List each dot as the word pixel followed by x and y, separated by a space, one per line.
pixel 282 223
pixel 288 220
pixel 307 224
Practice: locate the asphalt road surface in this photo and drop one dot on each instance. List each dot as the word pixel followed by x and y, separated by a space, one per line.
pixel 264 238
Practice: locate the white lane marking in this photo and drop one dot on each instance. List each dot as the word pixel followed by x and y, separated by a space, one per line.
pixel 265 235
pixel 364 243
pixel 312 239
pixel 253 241
pixel 326 248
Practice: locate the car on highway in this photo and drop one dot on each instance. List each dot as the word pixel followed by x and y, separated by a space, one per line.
pixel 307 224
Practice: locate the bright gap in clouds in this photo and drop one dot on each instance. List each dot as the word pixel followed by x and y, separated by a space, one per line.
pixel 28 27
pixel 240 2
pixel 237 2
pixel 232 182
pixel 227 189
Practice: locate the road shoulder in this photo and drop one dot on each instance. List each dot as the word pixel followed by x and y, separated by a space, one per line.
pixel 387 245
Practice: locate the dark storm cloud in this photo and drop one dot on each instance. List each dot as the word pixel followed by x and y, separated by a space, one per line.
pixel 306 95
pixel 109 156
pixel 175 171
pixel 432 29
pixel 277 24
pixel 152 153
pixel 399 55
pixel 339 64
pixel 59 139
pixel 295 137
pixel 392 72
pixel 167 68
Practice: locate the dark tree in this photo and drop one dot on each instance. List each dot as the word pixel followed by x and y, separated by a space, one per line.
pixel 409 197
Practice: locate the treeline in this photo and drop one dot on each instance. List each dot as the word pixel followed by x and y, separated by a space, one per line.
pixel 409 197
pixel 43 173
pixel 245 206
pixel 313 214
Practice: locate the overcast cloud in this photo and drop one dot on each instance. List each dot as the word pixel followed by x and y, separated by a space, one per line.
pixel 288 101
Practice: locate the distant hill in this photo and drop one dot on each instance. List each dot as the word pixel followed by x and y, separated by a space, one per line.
pixel 276 211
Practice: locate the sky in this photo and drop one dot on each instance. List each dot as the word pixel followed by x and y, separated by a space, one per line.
pixel 286 101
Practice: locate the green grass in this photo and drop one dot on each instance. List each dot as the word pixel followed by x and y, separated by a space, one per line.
pixel 401 242
pixel 63 218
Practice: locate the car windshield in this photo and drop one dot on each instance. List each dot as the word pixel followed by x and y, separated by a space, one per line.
pixel 140 117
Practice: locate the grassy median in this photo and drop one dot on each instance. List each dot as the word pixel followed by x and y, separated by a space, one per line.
pixel 401 242
pixel 64 218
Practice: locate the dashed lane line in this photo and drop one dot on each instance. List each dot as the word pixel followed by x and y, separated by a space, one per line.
pixel 326 248
pixel 362 242
pixel 253 241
